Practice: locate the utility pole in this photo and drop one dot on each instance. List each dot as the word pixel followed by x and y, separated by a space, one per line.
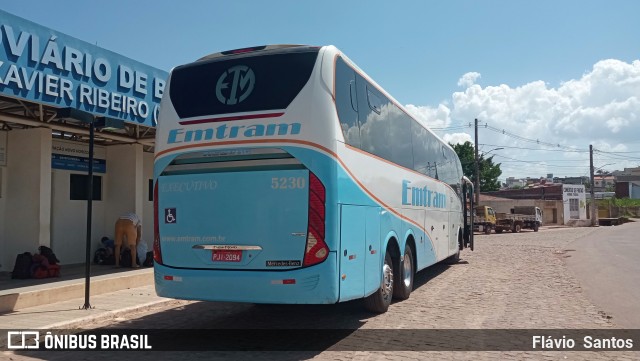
pixel 592 181
pixel 477 166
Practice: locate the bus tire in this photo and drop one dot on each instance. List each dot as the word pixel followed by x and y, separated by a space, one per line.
pixel 535 227
pixel 487 230
pixel 403 282
pixel 453 259
pixel 380 300
pixel 498 230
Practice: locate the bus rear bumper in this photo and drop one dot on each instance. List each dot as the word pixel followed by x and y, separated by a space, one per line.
pixel 312 285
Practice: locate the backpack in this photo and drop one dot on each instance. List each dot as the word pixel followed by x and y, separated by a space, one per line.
pixel 43 271
pixel 39 272
pixel 39 265
pixel 148 262
pixel 100 256
pixel 22 268
pixel 53 270
pixel 125 258
pixel 110 260
pixel 47 252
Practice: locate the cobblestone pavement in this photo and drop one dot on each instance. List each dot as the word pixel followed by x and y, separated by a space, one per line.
pixel 514 281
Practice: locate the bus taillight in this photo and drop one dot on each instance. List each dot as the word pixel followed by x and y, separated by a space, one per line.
pixel 157 253
pixel 316 250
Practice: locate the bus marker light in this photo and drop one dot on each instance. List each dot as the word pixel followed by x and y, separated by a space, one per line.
pixel 344 277
pixel 173 278
pixel 352 256
pixel 284 282
pixel 373 251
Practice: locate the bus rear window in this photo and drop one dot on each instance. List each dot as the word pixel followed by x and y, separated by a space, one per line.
pixel 240 84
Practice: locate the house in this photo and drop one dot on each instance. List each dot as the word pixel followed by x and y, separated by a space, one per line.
pixel 627 183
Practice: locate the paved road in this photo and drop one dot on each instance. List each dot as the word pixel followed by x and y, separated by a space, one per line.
pixel 511 281
pixel 607 264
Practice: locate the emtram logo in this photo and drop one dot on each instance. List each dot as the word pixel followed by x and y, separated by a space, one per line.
pixel 242 81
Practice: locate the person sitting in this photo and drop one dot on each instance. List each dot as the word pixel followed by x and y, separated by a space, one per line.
pixel 109 245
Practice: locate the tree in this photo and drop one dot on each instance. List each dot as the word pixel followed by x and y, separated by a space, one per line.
pixel 489 172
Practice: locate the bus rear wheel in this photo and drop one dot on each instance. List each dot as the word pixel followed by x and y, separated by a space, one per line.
pixel 403 283
pixel 380 300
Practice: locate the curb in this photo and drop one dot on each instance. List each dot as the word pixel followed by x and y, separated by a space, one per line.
pixel 11 300
pixel 76 323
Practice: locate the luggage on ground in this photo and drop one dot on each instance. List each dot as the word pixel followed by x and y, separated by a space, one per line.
pixel 22 268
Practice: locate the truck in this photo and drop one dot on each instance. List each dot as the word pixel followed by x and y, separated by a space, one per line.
pixel 520 217
pixel 486 219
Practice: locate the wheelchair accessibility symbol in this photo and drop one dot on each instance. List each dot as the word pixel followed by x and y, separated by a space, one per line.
pixel 170 215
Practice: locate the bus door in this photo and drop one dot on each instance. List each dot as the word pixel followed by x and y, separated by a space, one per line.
pixel 467 191
pixel 352 251
pixel 360 251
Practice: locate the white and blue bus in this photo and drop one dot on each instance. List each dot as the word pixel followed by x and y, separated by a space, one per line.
pixel 284 174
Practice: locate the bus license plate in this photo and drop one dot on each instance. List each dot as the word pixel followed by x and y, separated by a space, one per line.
pixel 226 256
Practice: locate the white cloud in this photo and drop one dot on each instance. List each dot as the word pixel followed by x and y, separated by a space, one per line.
pixel 439 117
pixel 457 138
pixel 601 108
pixel 468 79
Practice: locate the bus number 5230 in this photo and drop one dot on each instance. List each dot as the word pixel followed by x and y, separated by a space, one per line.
pixel 288 183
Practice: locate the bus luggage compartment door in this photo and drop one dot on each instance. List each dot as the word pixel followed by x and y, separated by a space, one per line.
pixel 360 251
pixel 250 220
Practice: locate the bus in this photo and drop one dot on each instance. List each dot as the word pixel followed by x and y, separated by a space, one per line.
pixel 284 174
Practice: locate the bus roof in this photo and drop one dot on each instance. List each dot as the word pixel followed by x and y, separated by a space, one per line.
pixel 261 48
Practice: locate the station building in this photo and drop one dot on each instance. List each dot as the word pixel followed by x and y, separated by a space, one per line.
pixel 44 147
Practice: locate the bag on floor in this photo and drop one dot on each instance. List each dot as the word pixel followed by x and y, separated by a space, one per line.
pixel 39 272
pixel 148 261
pixel 53 270
pixel 99 255
pixel 125 258
pixel 48 252
pixel 22 268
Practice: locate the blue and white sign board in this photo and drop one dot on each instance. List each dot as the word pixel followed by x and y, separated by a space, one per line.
pixel 75 156
pixel 42 65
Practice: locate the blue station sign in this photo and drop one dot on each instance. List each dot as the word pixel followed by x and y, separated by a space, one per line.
pixel 42 65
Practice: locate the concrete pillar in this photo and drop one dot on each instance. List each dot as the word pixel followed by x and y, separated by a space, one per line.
pixel 125 184
pixel 28 202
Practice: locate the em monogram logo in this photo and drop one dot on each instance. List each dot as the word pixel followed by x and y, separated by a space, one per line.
pixel 242 81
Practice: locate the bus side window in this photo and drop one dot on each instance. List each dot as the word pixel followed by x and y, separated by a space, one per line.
pixel 400 137
pixel 374 120
pixel 425 150
pixel 346 103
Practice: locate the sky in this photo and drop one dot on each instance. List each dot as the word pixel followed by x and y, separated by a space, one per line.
pixel 545 79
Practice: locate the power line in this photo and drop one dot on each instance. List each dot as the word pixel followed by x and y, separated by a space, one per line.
pixel 614 155
pixel 539 162
pixel 540 149
pixel 529 140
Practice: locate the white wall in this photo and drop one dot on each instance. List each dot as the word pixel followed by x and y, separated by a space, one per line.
pixel 574 192
pixel 124 184
pixel 28 190
pixel 69 219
